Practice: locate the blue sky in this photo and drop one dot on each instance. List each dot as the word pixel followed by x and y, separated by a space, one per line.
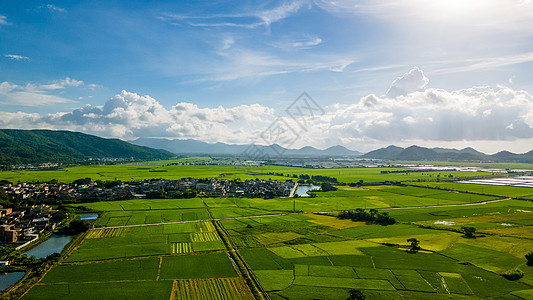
pixel 434 73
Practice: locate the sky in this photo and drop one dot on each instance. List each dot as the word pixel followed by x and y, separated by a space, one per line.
pixel 362 74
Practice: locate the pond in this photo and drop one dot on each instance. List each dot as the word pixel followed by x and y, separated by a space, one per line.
pixel 302 190
pixel 89 217
pixel 54 244
pixel 8 279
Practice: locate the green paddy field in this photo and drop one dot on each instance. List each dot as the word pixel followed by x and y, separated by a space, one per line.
pixel 177 248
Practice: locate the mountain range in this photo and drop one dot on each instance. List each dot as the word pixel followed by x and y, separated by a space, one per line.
pixel 195 147
pixel 412 153
pixel 35 146
pixel 417 153
pixel 39 146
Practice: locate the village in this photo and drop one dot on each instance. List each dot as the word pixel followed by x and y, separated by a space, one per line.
pixel 24 224
pixel 87 190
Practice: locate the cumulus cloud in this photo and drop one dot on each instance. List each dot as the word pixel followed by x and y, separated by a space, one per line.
pixel 129 115
pixel 410 82
pixel 412 114
pixel 409 111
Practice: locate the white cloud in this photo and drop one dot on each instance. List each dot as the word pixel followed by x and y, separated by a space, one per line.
pixel 242 63
pixel 55 8
pixel 129 115
pixel 483 64
pixel 250 19
pixel 3 20
pixel 419 114
pixel 410 82
pixel 28 95
pixel 16 57
pixel 62 83
pixel 37 95
pixel 307 44
pixel 478 115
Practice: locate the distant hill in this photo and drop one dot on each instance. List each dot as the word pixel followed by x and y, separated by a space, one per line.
pixel 202 148
pixel 38 146
pixel 416 153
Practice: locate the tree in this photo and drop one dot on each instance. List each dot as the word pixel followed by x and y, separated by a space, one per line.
pixel 326 187
pixel 415 245
pixel 469 232
pixel 4 195
pixel 354 294
pixel 82 181
pixel 529 258
pixel 77 226
pixel 514 274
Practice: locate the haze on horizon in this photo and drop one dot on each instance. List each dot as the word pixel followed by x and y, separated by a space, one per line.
pixel 432 73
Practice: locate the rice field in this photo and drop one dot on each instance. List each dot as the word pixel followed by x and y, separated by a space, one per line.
pixel 215 288
pixel 106 233
pixel 180 248
pixel 204 236
pixel 304 256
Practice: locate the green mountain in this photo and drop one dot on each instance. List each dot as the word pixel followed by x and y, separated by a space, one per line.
pixel 416 153
pixel 38 146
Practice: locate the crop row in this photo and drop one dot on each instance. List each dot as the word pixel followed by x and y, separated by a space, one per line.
pixel 178 248
pixel 107 233
pixel 216 289
pixel 204 227
pixel 204 236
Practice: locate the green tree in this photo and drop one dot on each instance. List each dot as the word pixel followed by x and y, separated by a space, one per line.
pixel 529 258
pixel 469 232
pixel 514 274
pixel 78 226
pixel 354 294
pixel 415 245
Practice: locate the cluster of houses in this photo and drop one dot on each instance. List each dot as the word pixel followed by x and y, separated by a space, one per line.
pixel 238 163
pixel 24 224
pixel 140 188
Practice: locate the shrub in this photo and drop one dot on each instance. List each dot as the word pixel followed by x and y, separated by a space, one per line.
pixel 514 274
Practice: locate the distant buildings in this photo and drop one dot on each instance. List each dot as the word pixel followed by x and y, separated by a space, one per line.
pixel 142 188
pixel 25 223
